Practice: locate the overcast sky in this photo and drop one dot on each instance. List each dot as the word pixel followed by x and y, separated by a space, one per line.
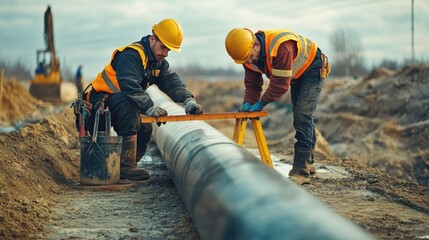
pixel 86 32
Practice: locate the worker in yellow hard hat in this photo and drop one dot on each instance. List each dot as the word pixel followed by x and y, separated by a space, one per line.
pixel 121 87
pixel 286 59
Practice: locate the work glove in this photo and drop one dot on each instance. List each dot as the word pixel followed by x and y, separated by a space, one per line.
pixel 245 107
pixel 156 112
pixel 257 107
pixel 192 107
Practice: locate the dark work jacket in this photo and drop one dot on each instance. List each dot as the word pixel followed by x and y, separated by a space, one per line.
pixel 134 79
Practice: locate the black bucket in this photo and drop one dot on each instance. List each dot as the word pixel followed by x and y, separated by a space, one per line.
pixel 100 160
pixel 100 156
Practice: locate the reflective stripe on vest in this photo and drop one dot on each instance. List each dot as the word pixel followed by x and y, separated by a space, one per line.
pixel 306 53
pixel 106 80
pixel 109 82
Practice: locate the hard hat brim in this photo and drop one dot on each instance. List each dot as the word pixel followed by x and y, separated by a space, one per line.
pixel 240 61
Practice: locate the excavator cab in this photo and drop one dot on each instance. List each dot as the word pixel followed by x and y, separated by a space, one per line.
pixel 46 84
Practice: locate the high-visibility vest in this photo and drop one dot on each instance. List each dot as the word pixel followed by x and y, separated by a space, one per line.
pixel 306 52
pixel 106 80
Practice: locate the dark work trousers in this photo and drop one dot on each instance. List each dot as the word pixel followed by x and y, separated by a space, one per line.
pixel 125 118
pixel 305 92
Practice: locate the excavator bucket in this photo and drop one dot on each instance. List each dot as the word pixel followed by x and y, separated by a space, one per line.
pixel 49 92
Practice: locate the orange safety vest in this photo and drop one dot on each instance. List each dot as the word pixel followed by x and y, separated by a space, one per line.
pixel 306 52
pixel 106 80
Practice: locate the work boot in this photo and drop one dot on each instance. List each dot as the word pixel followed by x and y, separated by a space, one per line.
pixel 300 172
pixel 311 167
pixel 129 169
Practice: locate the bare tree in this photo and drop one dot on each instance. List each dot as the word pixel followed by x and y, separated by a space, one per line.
pixel 15 70
pixel 348 53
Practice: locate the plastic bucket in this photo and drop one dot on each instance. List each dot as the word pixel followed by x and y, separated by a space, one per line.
pixel 100 160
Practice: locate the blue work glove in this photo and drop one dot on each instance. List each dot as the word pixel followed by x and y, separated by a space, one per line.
pixel 245 107
pixel 257 107
pixel 192 107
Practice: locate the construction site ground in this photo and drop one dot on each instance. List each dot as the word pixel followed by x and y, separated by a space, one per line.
pixel 372 156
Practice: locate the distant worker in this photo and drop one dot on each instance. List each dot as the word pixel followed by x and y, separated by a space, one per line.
pixel 78 80
pixel 286 59
pixel 131 70
pixel 40 68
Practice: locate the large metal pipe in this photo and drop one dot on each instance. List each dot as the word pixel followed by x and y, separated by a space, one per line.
pixel 230 194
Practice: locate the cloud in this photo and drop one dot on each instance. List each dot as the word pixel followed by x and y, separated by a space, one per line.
pixel 86 32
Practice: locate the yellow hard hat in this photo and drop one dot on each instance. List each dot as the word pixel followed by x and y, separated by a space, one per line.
pixel 170 33
pixel 239 44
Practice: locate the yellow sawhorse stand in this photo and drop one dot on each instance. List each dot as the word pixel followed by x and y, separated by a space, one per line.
pixel 239 130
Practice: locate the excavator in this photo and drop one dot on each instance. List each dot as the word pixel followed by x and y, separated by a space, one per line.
pixel 46 85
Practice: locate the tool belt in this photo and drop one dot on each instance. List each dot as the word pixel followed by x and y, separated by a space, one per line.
pixel 87 95
pixel 82 108
pixel 87 92
pixel 326 67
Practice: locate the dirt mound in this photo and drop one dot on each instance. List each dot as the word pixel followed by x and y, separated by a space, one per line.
pixel 34 164
pixel 379 72
pixel 383 121
pixel 402 96
pixel 219 96
pixel 17 103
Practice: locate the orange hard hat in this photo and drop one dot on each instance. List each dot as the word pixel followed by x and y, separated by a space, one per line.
pixel 169 33
pixel 239 44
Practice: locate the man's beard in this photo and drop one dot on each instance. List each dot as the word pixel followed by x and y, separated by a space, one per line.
pixel 159 58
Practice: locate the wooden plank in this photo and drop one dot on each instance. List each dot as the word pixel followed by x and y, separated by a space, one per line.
pixel 205 116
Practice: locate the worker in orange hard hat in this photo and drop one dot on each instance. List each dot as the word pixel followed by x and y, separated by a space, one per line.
pixel 121 87
pixel 286 59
